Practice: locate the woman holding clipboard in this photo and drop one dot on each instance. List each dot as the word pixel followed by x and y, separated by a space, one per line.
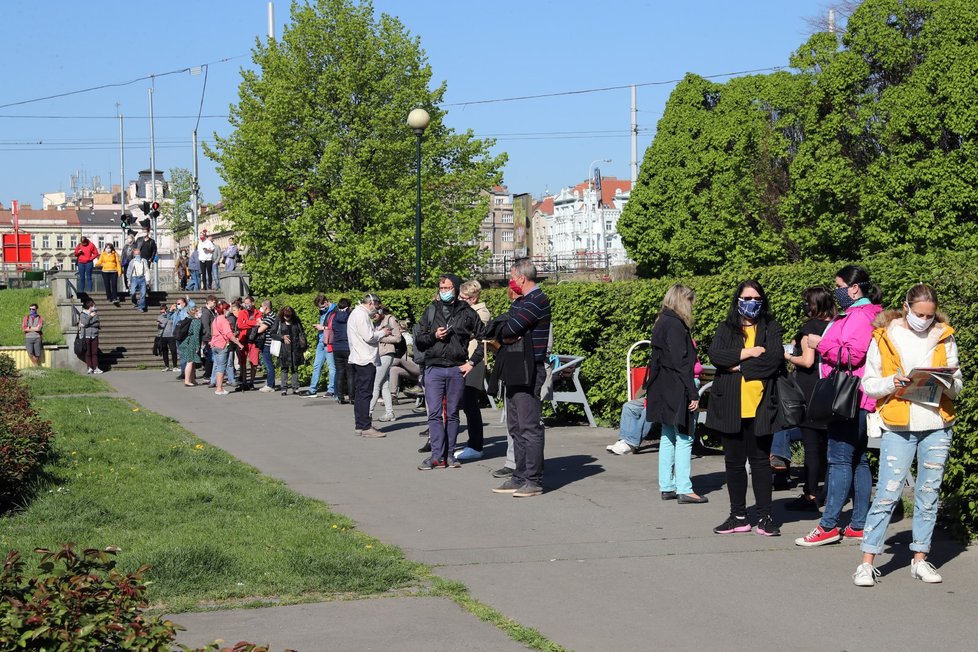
pixel 918 337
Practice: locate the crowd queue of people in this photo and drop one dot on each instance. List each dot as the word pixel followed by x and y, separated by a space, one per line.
pixel 846 331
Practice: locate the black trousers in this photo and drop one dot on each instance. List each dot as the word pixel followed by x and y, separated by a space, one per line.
pixel 363 389
pixel 206 275
pixel 344 375
pixel 815 441
pixel 738 449
pixel 523 408
pixel 471 405
pixel 169 347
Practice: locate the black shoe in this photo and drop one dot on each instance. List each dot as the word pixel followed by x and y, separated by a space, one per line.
pixel 504 472
pixel 691 499
pixel 306 394
pixel 285 393
pixel 767 528
pixel 423 433
pixel 802 504
pixel 426 448
pixel 668 495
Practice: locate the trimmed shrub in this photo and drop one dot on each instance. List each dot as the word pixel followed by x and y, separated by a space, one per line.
pixel 601 320
pixel 81 602
pixel 25 441
pixel 8 368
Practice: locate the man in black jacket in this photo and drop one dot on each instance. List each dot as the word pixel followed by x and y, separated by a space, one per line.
pixel 445 330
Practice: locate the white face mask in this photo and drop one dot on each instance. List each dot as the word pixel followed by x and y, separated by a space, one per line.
pixel 916 323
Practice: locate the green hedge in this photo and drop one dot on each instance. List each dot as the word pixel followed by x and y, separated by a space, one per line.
pixel 601 320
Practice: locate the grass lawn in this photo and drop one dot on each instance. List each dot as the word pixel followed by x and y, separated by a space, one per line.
pixel 59 382
pixel 13 307
pixel 214 529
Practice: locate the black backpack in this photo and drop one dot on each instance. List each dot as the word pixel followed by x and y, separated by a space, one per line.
pixel 182 329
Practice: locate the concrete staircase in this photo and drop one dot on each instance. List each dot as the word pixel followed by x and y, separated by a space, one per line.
pixel 126 337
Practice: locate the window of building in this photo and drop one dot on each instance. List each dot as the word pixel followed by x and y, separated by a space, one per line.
pixel 500 201
pixel 487 236
pixel 59 241
pixel 507 236
pixel 47 264
pixel 74 241
pixel 33 242
pixel 45 241
pixel 101 242
pixel 487 218
pixel 507 218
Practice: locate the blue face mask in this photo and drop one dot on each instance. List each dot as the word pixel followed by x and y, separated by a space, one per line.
pixel 844 300
pixel 749 308
pixel 447 295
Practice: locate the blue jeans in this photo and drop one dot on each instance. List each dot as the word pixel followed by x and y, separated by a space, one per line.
pixel 268 360
pixel 216 275
pixel 85 276
pixel 781 442
pixel 443 384
pixel 194 283
pixel 220 363
pixel 317 365
pixel 331 363
pixel 633 424
pixel 897 451
pixel 848 472
pixel 675 453
pixel 138 285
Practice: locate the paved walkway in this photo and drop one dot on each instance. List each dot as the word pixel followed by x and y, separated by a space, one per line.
pixel 596 563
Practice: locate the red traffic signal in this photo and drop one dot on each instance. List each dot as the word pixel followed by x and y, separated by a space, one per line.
pixel 154 209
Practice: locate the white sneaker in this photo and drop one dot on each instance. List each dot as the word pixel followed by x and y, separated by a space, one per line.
pixel 266 389
pixel 467 454
pixel 98 371
pixel 166 369
pixel 621 447
pixel 925 572
pixel 388 416
pixel 865 575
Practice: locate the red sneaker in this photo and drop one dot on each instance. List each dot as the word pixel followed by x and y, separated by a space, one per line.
pixel 850 534
pixel 819 537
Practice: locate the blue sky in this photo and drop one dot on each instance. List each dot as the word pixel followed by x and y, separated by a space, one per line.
pixel 483 51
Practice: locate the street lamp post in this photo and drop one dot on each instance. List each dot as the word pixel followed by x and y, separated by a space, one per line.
pixel 590 184
pixel 418 121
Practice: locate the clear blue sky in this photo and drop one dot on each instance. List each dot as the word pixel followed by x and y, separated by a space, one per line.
pixel 483 50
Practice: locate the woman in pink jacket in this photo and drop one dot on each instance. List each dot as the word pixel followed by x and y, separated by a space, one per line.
pixel 843 345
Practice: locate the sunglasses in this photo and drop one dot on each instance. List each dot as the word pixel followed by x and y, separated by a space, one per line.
pixel 750 298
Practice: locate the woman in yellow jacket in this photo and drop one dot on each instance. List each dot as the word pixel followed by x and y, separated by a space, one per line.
pixel 111 267
pixel 918 337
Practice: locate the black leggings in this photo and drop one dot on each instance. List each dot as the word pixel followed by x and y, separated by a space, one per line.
pixel 738 449
pixel 168 346
pixel 815 441
pixel 471 398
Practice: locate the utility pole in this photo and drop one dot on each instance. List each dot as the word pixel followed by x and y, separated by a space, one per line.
pixel 195 190
pixel 122 164
pixel 271 20
pixel 152 178
pixel 634 175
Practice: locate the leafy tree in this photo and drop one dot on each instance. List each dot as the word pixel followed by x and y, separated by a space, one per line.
pixel 872 145
pixel 320 169
pixel 174 212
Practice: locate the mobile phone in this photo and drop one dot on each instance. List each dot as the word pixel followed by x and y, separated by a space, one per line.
pixel 789 348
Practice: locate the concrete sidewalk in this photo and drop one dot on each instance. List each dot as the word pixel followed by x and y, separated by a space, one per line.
pixel 598 562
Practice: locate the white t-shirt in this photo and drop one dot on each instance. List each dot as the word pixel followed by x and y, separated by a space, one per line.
pixel 205 250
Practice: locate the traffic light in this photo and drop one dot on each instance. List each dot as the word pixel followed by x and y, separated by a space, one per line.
pixel 154 209
pixel 145 207
pixel 127 220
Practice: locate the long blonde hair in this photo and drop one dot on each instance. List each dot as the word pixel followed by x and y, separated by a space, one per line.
pixel 679 299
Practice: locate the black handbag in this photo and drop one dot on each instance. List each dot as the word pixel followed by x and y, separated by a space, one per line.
pixel 791 402
pixel 835 397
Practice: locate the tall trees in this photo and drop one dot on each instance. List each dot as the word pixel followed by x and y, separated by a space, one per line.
pixel 868 147
pixel 320 168
pixel 174 213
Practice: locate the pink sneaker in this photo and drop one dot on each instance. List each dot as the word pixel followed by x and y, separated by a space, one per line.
pixel 819 537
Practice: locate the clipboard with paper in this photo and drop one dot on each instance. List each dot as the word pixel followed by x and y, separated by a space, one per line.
pixel 926 385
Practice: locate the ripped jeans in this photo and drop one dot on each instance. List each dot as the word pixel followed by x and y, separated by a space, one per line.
pixel 897 451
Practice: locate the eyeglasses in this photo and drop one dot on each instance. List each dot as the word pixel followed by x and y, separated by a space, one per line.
pixel 464 297
pixel 750 298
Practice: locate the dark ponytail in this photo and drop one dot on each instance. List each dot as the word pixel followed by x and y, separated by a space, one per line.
pixel 856 275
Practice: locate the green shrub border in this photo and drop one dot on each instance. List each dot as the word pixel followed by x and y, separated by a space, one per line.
pixel 601 320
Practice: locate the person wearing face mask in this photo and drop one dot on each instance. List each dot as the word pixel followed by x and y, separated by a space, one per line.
pixel 111 266
pixel 127 250
pixel 843 347
pixel 248 318
pixel 32 325
pixel 919 336
pixel 445 330
pixel 85 254
pixel 748 354
pixel 88 330
pixel 323 355
pixel 364 336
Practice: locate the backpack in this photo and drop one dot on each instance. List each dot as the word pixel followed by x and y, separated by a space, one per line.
pixel 182 329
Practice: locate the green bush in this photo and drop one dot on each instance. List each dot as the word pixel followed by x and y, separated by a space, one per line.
pixel 601 320
pixel 25 441
pixel 8 368
pixel 81 602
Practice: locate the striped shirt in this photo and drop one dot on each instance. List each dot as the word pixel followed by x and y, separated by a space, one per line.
pixel 531 315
